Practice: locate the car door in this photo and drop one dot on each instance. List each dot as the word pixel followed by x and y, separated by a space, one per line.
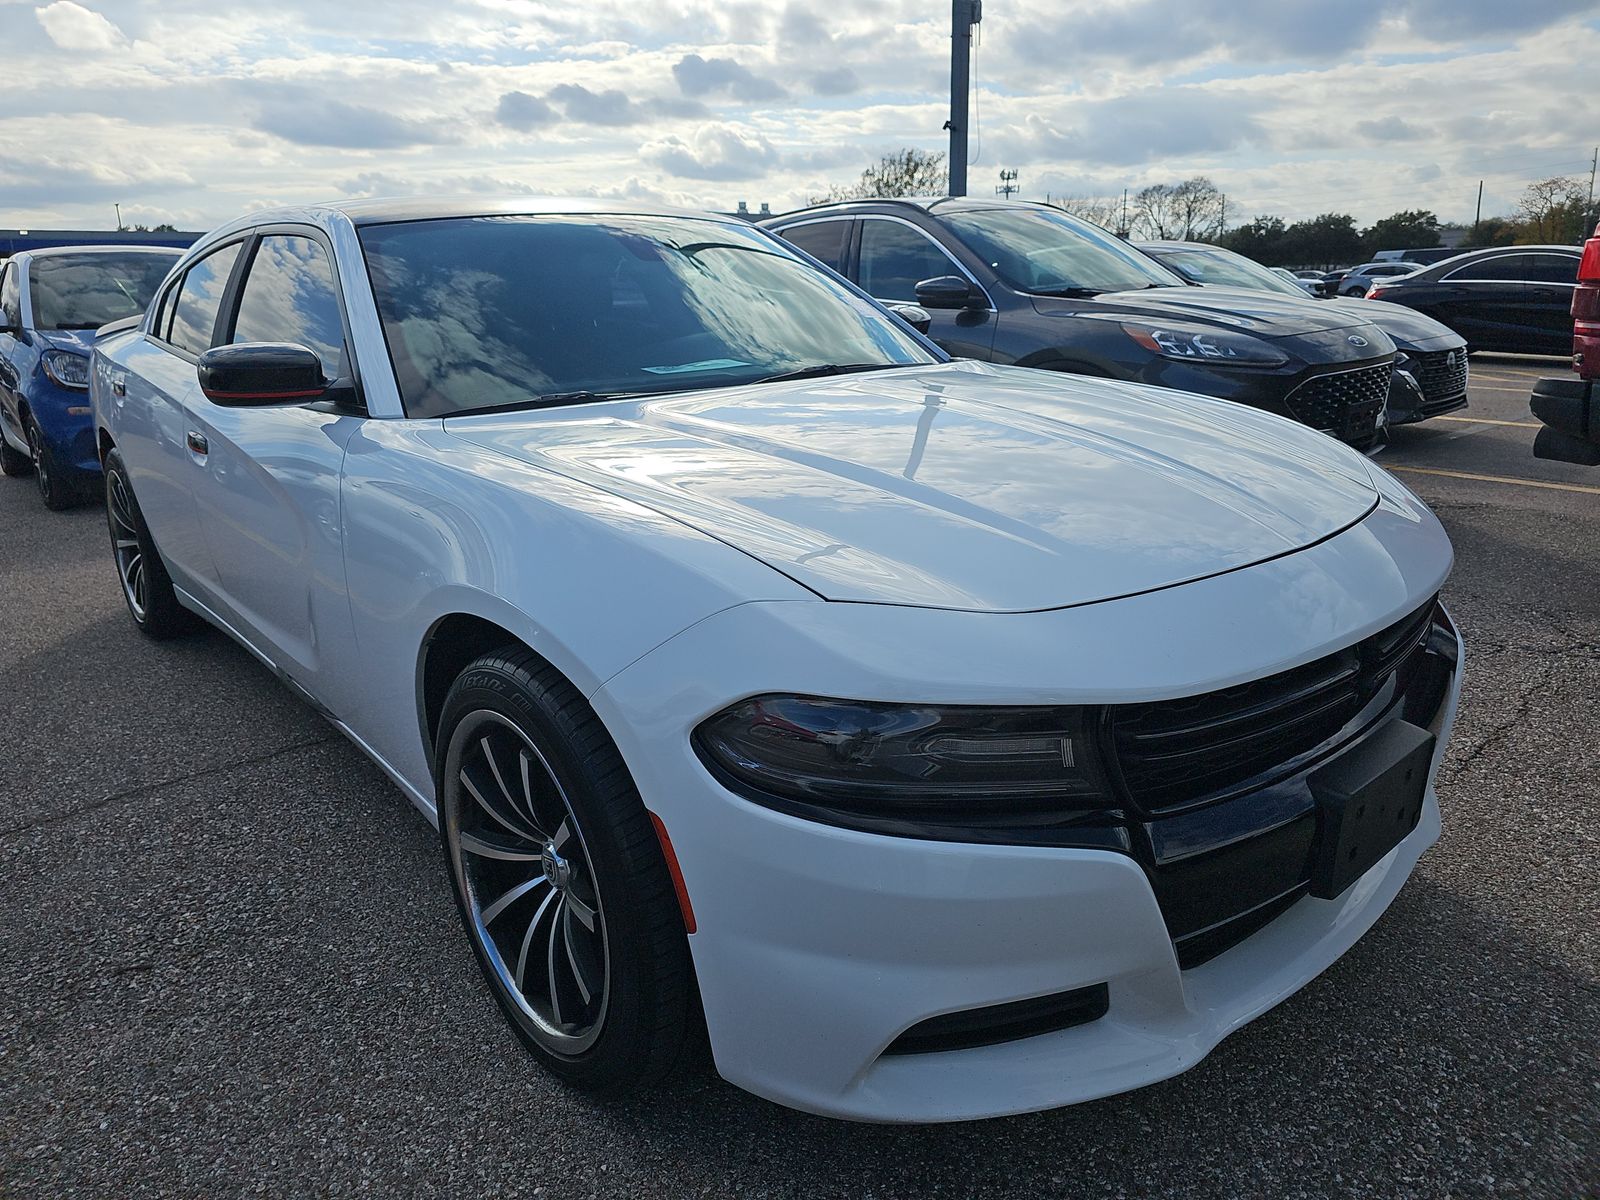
pixel 1552 277
pixel 151 386
pixel 893 256
pixel 267 478
pixel 10 350
pixel 1485 301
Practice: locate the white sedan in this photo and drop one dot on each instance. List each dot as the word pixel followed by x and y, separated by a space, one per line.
pixel 959 739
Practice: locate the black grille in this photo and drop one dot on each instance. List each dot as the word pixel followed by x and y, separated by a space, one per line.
pixel 1345 404
pixel 1443 377
pixel 1175 752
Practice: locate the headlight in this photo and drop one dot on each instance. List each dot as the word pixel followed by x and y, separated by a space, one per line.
pixel 66 369
pixel 909 761
pixel 1217 346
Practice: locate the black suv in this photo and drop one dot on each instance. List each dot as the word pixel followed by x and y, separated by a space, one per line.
pixel 1026 284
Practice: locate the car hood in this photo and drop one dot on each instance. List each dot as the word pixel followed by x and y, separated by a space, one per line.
pixel 959 485
pixel 78 341
pixel 1406 327
pixel 1263 314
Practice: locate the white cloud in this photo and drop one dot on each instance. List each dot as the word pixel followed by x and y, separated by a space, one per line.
pixel 720 152
pixel 74 27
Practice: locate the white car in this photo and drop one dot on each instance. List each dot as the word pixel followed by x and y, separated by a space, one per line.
pixel 960 739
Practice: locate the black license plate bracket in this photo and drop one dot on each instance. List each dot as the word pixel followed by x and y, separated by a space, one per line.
pixel 1369 799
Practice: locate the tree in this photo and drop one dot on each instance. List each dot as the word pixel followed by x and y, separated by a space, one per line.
pixel 907 172
pixel 1413 228
pixel 1105 211
pixel 1491 231
pixel 1552 211
pixel 1155 211
pixel 1200 207
pixel 1323 241
pixel 1261 239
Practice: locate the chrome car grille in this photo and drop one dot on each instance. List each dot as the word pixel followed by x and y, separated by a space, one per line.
pixel 1442 375
pixel 1346 404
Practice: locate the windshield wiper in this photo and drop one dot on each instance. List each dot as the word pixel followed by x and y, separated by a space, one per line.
pixel 549 400
pixel 1076 293
pixel 827 369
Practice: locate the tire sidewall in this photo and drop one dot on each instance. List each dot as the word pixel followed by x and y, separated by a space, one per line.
pixel 514 694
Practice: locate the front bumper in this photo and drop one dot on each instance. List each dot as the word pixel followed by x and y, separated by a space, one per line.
pixel 817 946
pixel 66 421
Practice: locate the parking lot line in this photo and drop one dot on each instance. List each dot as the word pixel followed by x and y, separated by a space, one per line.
pixel 1490 421
pixel 1535 483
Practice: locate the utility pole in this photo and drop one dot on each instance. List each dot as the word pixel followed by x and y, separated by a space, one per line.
pixel 1008 184
pixel 118 207
pixel 1477 217
pixel 1123 230
pixel 1588 208
pixel 964 14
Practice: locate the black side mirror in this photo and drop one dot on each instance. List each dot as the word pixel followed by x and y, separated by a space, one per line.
pixel 949 291
pixel 913 315
pixel 260 373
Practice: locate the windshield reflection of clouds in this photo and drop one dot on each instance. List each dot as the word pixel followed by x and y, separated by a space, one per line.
pixel 1038 250
pixel 497 310
pixel 194 316
pixel 86 291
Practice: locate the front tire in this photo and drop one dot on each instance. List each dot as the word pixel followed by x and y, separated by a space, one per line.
pixel 559 879
pixel 146 587
pixel 55 489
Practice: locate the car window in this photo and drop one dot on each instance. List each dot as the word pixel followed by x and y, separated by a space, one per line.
pixel 290 295
pixel 1226 269
pixel 895 258
pixel 1047 252
pixel 194 315
pixel 86 291
pixel 1553 268
pixel 823 240
pixel 1501 266
pixel 481 312
pixel 11 297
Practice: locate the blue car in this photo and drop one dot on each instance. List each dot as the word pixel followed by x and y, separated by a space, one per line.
pixel 51 302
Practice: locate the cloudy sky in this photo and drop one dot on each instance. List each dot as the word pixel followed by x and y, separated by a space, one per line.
pixel 192 111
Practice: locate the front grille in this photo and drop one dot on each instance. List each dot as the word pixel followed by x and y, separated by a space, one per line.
pixel 1345 403
pixel 1442 375
pixel 1175 752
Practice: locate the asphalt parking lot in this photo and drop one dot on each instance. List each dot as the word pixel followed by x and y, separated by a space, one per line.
pixel 232 965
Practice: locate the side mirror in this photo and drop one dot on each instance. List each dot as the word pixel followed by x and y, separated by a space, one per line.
pixel 1319 290
pixel 949 291
pixel 260 373
pixel 913 315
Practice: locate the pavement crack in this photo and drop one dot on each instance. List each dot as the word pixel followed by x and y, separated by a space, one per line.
pixel 105 801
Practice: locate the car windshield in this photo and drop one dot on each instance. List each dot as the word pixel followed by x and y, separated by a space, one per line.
pixel 1047 252
pixel 495 312
pixel 86 291
pixel 1225 268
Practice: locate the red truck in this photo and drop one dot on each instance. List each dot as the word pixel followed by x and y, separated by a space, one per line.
pixel 1570 407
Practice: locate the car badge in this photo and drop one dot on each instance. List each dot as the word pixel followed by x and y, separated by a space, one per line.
pixel 1355 339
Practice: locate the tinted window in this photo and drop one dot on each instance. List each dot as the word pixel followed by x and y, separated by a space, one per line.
pixel 290 296
pixel 1503 266
pixel 895 258
pixel 1553 268
pixel 1227 269
pixel 11 296
pixel 194 316
pixel 1045 251
pixel 823 240
pixel 85 291
pixel 485 311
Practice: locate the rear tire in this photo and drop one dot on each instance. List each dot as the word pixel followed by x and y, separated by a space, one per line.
pixel 146 587
pixel 559 878
pixel 55 489
pixel 14 462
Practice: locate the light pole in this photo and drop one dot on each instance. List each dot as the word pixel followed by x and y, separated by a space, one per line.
pixel 964 14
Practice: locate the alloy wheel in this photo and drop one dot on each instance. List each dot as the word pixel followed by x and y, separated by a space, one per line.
pixel 125 545
pixel 532 900
pixel 41 468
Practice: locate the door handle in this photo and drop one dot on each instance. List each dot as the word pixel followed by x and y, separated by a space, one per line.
pixel 119 385
pixel 197 443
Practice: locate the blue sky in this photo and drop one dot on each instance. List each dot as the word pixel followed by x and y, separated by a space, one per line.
pixel 192 111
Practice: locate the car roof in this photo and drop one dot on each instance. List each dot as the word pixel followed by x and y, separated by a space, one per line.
pixel 379 211
pixel 64 251
pixel 936 205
